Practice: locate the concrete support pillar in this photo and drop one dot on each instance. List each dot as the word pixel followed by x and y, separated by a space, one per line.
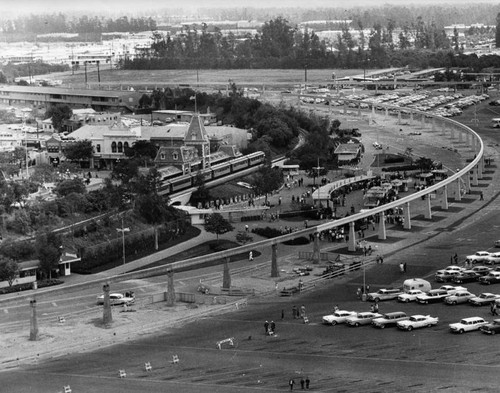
pixel 170 289
pixel 407 224
pixel 386 113
pixel 428 211
pixel 422 121
pixel 107 316
pixel 274 261
pixel 458 196
pixel 373 110
pixel 452 130
pixel 359 110
pixel 226 277
pixel 352 237
pixel 433 124
pixel 444 128
pixel 480 169
pixel 33 321
pixel 475 178
pixel 345 107
pixel 399 117
pixel 316 249
pixel 473 143
pixel 411 118
pixel 467 183
pixel 382 234
pixel 444 200
pixel 460 136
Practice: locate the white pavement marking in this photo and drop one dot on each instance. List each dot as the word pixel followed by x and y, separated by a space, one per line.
pixel 54 304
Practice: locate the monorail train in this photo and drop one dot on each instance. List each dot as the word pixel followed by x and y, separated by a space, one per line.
pixel 170 186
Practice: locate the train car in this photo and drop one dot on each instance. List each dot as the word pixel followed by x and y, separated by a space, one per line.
pixel 239 163
pixel 220 170
pixel 206 174
pixel 181 183
pixel 256 158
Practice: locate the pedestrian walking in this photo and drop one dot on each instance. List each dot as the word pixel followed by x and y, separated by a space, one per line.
pixel 404 267
pixel 401 267
pixel 266 327
pixel 307 382
pixel 455 258
pixel 302 311
pixel 493 308
pixel 358 293
pixel 336 308
pixel 246 228
pixel 482 196
pixel 250 256
pixel 273 328
pixel 375 307
pixel 295 312
pixel 302 383
pixel 282 314
pixel 291 383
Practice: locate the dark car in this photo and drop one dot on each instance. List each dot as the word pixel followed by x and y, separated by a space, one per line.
pixel 465 276
pixel 491 328
pixel 491 278
pixel 433 296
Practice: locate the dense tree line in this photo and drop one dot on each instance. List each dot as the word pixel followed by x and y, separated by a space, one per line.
pixel 32 25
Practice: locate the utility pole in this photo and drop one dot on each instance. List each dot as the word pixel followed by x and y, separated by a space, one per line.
pixel 123 230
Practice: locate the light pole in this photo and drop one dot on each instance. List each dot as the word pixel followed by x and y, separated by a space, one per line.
pixel 317 169
pixel 123 230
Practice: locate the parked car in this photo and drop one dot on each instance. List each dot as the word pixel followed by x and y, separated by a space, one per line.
pixel 384 294
pixel 452 289
pixel 465 276
pixel 117 299
pixel 337 317
pixel 491 278
pixel 433 296
pixel 389 319
pixel 481 270
pixel 478 257
pixel 459 297
pixel 491 328
pixel 362 318
pixel 483 299
pixel 203 288
pixel 493 259
pixel 446 274
pixel 417 321
pixel 410 296
pixel 467 325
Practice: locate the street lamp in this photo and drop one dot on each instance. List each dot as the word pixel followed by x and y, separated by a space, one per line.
pixel 123 230
pixel 316 168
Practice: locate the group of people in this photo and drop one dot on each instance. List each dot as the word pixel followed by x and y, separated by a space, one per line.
pixel 270 328
pixel 304 383
pixel 298 313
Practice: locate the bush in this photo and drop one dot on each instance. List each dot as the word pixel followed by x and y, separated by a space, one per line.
pixel 28 285
pixel 267 232
pixel 393 159
pixel 300 241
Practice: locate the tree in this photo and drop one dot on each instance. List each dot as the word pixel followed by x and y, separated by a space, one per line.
pixel 125 170
pixel 48 247
pixel 267 180
pixel 217 224
pixel 67 187
pixel 154 210
pixel 142 150
pixel 8 270
pixel 79 151
pixel 497 32
pixel 425 164
pixel 59 113
pixel 43 173
pixel 243 237
pixel 201 194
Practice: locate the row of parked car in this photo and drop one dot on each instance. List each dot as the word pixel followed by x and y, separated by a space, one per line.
pixel 404 322
pixel 459 275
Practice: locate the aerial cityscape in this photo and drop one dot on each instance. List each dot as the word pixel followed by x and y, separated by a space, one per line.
pixel 238 198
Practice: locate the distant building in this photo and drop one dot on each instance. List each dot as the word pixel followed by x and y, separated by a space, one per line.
pixel 348 153
pixel 100 100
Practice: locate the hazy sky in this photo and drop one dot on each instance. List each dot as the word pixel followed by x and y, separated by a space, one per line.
pixel 115 6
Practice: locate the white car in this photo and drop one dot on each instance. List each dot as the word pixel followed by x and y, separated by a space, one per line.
pixel 459 297
pixel 484 299
pixel 410 296
pixel 362 318
pixel 417 321
pixel 478 257
pixel 452 289
pixel 337 317
pixel 493 259
pixel 467 325
pixel 116 299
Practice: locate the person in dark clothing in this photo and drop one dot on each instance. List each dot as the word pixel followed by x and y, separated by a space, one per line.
pixel 273 328
pixel 295 312
pixel 307 382
pixel 302 383
pixel 282 314
pixel 291 383
pixel 266 327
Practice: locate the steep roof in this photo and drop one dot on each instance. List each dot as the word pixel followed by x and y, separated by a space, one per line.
pixel 196 130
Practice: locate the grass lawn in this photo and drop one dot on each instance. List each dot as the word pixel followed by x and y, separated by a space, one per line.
pixel 204 249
